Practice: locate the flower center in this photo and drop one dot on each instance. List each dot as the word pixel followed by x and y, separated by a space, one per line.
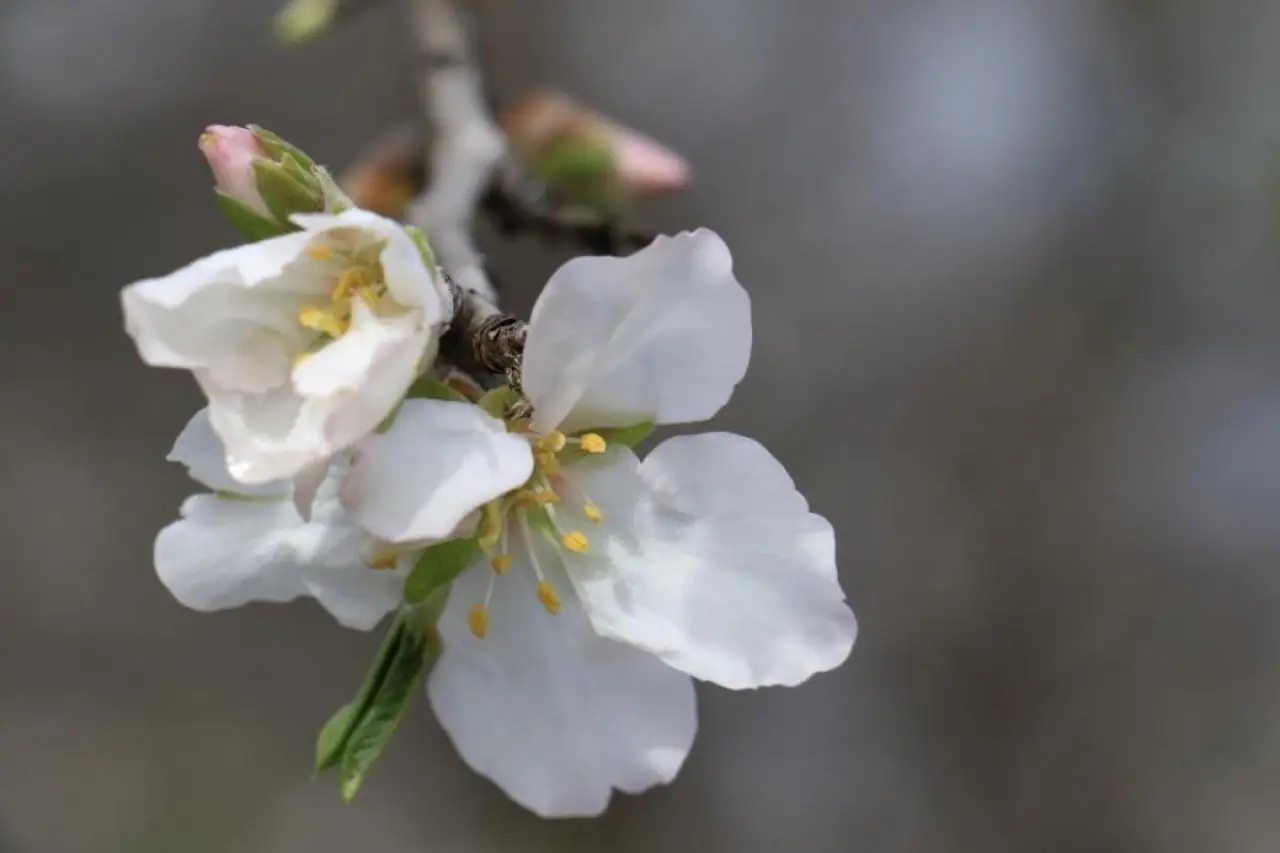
pixel 544 507
pixel 359 277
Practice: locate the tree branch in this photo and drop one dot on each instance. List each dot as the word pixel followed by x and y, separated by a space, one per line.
pixel 466 144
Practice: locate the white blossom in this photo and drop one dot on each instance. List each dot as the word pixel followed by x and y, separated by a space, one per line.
pixel 701 561
pixel 303 343
pixel 240 543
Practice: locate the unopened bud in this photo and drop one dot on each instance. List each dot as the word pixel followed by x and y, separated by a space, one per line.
pixel 263 180
pixel 231 152
pixel 571 144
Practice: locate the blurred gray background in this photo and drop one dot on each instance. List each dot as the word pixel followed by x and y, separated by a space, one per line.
pixel 1014 267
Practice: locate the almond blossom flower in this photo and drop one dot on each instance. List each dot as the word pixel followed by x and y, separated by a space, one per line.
pixel 247 543
pixel 303 343
pixel 701 561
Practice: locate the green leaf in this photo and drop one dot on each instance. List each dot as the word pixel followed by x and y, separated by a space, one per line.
pixel 333 737
pixel 283 193
pixel 371 734
pixel 252 225
pixel 497 401
pixel 438 566
pixel 430 388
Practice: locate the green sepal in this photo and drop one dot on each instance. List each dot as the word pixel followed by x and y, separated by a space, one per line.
pixel 438 566
pixel 283 193
pixel 277 147
pixel 585 171
pixel 628 436
pixel 430 388
pixel 424 247
pixel 497 401
pixel 253 226
pixel 294 168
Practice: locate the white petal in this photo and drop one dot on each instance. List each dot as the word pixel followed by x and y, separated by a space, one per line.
pixel 338 577
pixel 201 451
pixel 408 279
pixel 436 464
pixel 268 436
pixel 227 552
pixel 554 714
pixel 223 313
pixel 710 560
pixel 306 484
pixel 662 335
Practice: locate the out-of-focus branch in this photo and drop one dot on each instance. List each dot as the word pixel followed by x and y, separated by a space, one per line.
pixel 466 145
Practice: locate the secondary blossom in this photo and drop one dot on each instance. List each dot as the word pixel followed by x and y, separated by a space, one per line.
pixel 302 343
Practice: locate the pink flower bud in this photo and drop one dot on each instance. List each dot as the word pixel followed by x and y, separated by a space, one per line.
pixel 643 165
pixel 231 152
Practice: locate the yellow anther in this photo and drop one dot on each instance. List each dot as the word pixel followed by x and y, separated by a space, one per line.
pixel 319 252
pixel 546 496
pixel 383 558
pixel 314 317
pixel 552 442
pixel 478 621
pixel 549 464
pixel 576 541
pixel 593 443
pixel 547 595
pixel 500 563
pixel 593 512
pixel 301 357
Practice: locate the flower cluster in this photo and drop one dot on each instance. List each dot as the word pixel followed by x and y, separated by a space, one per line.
pixel 575 588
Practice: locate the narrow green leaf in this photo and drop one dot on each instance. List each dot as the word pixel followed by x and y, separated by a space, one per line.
pixel 333 737
pixel 497 401
pixel 283 193
pixel 438 566
pixel 252 225
pixel 379 722
pixel 430 388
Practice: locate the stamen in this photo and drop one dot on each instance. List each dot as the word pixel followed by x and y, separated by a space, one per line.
pixel 547 595
pixel 500 563
pixel 478 621
pixel 593 443
pixel 491 525
pixel 593 512
pixel 301 357
pixel 314 317
pixel 319 252
pixel 549 464
pixel 576 541
pixel 552 442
